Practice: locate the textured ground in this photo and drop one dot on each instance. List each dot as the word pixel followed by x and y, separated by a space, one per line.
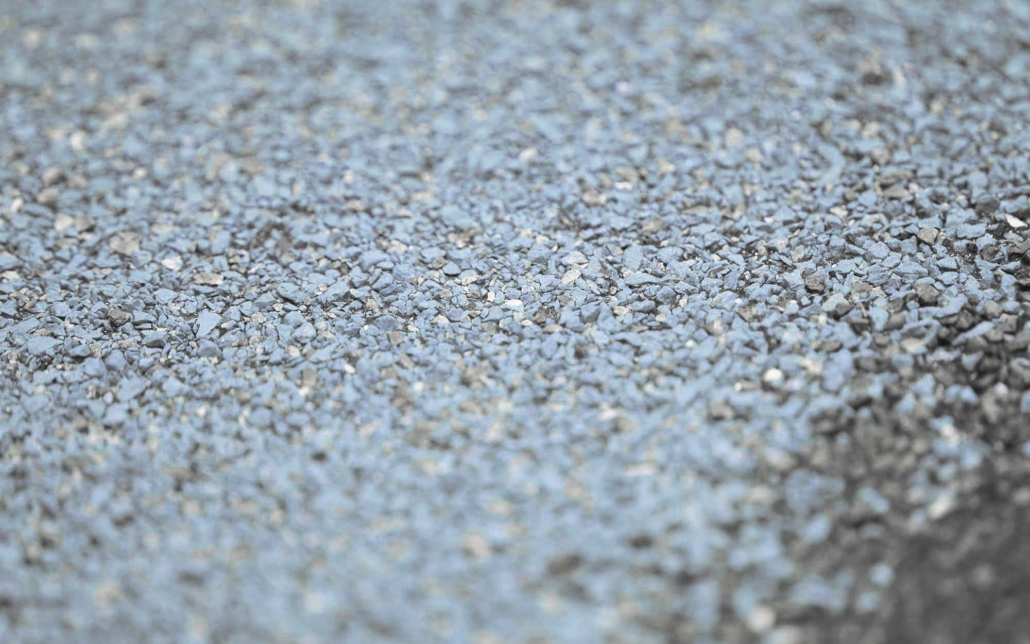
pixel 514 322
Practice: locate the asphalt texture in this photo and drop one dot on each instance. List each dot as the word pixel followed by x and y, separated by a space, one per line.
pixel 514 322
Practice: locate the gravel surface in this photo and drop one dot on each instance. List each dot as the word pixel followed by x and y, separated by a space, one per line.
pixel 514 322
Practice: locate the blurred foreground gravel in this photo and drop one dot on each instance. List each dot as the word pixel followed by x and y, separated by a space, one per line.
pixel 514 322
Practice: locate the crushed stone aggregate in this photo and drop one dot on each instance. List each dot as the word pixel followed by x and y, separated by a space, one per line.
pixel 475 321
